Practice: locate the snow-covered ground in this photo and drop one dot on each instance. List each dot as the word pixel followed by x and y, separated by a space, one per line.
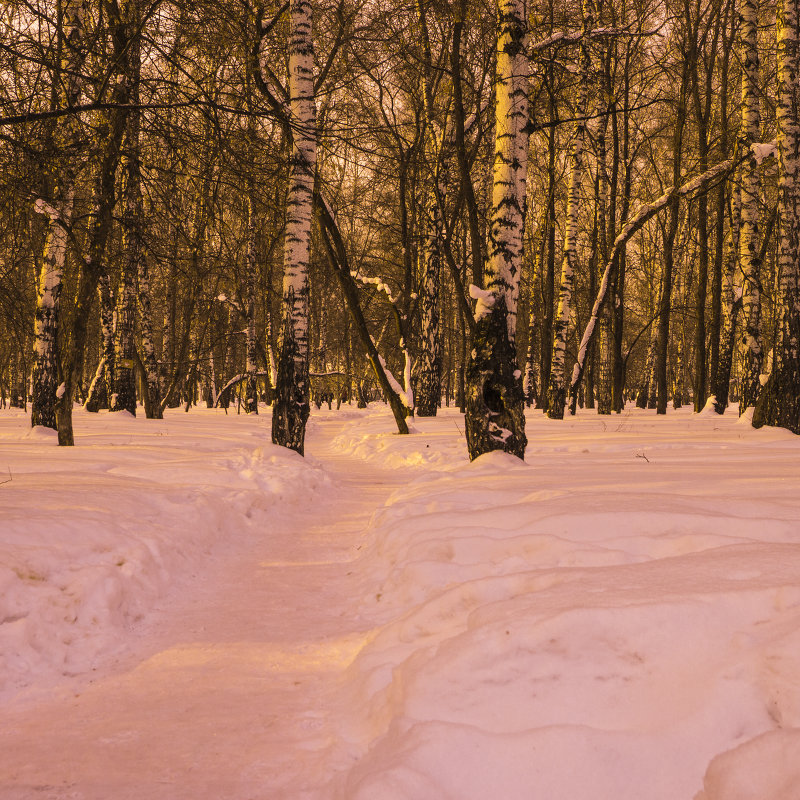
pixel 188 611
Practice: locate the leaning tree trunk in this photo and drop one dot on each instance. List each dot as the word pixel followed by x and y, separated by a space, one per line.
pixel 779 403
pixel 557 388
pixel 749 260
pixel 495 405
pixel 291 407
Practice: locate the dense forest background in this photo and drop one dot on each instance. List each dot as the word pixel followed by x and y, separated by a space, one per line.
pixel 149 184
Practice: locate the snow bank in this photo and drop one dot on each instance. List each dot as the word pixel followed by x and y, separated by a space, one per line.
pixel 92 537
pixel 604 621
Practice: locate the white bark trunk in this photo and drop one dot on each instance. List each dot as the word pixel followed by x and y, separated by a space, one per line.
pixel 507 223
pixel 45 376
pixel 557 389
pixel 292 402
pixel 779 403
pixel 495 402
pixel 749 244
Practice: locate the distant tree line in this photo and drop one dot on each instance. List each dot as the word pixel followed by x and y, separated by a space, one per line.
pixel 490 204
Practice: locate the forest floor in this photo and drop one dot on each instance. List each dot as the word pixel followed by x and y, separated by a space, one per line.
pixel 187 611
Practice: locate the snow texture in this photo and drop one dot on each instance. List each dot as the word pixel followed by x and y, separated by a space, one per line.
pixel 188 611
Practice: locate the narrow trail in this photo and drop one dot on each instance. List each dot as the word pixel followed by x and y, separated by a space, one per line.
pixel 228 689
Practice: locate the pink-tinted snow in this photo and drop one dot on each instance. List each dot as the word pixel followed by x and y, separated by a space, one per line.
pixel 190 612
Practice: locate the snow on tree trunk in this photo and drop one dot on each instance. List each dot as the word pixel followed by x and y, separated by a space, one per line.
pixel 495 403
pixel 557 389
pixel 291 407
pixel 779 402
pixel 749 245
pixel 46 365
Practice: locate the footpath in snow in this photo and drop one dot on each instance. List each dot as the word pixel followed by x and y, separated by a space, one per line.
pixel 187 611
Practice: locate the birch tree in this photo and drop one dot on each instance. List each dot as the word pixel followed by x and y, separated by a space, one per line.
pixel 557 388
pixel 779 402
pixel 123 397
pixel 136 269
pixel 429 363
pixel 494 417
pixel 58 208
pixel 291 406
pixel 749 260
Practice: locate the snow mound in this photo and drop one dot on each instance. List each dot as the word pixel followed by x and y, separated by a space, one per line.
pixel 93 537
pixel 767 766
pixel 637 617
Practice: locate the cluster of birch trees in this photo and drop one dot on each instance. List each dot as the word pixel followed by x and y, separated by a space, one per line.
pixel 495 204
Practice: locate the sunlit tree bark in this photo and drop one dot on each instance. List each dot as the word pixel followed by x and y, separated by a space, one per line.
pixel 557 389
pixel 749 242
pixel 133 216
pixel 429 361
pixel 495 403
pixel 779 402
pixel 291 407
pixel 46 366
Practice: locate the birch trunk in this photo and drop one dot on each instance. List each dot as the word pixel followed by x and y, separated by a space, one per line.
pixel 679 369
pixel 667 276
pixel 123 397
pixel 251 266
pixel 648 374
pixel 749 260
pixel 428 389
pixel 779 403
pixel 291 407
pixel 730 307
pixel 606 225
pixel 429 362
pixel 557 388
pixel 46 365
pixel 251 393
pixel 99 394
pixel 495 403
pixel 133 234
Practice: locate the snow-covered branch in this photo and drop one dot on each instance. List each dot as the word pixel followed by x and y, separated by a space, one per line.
pixel 643 215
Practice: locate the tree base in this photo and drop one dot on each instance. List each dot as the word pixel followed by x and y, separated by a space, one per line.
pixel 495 402
pixel 779 402
pixel 291 408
